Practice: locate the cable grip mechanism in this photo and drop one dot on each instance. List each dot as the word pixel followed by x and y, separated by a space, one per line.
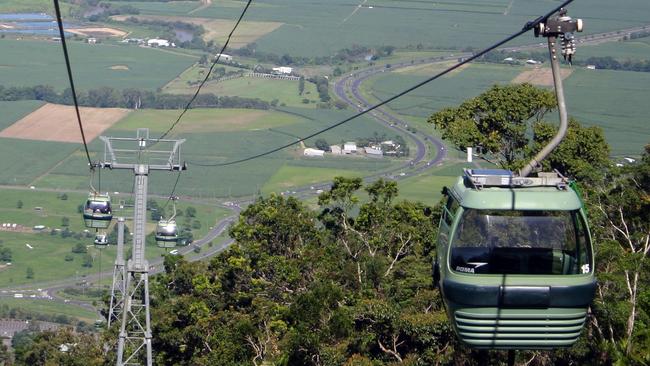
pixel 562 26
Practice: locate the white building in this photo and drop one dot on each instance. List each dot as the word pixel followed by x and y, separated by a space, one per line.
pixel 223 57
pixel 350 148
pixel 374 151
pixel 154 42
pixel 591 67
pixel 314 152
pixel 92 40
pixel 532 62
pixel 283 70
pixel 336 150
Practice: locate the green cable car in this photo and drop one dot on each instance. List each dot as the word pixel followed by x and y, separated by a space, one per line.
pixel 166 233
pixel 515 260
pixel 97 211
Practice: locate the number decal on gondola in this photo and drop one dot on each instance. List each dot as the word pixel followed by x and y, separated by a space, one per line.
pixel 585 268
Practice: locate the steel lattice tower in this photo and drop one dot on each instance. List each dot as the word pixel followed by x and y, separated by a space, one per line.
pixel 134 345
pixel 118 290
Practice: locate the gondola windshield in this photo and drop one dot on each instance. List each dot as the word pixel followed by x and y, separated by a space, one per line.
pixel 98 206
pixel 520 242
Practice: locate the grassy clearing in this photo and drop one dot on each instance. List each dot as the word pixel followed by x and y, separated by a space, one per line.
pixel 285 91
pixel 51 307
pixel 33 62
pixel 53 210
pixel 288 177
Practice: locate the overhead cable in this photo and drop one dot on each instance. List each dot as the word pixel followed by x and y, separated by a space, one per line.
pixel 207 75
pixel 72 88
pixel 530 25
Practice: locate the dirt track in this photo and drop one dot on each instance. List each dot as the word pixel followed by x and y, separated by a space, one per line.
pixel 540 76
pixel 53 122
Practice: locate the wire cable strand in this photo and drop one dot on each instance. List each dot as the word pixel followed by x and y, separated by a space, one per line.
pixel 72 88
pixel 171 195
pixel 530 25
pixel 198 90
pixel 207 75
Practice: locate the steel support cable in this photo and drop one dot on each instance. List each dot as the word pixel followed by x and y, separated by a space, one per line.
pixel 72 88
pixel 207 75
pixel 529 26
pixel 198 90
pixel 171 195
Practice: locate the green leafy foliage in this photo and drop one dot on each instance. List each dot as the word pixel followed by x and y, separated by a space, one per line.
pixel 496 121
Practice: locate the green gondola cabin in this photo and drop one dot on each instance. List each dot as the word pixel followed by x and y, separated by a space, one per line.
pixel 515 260
pixel 166 233
pixel 97 211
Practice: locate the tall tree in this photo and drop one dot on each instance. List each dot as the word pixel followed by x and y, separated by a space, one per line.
pixel 496 121
pixel 622 208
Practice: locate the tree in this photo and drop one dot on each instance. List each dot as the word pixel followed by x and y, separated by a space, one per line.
pixel 5 254
pixel 65 221
pixel 29 273
pixel 19 204
pixel 87 261
pixel 301 85
pixel 322 144
pixel 79 248
pixel 68 258
pixel 190 211
pixel 583 154
pixel 622 218
pixel 496 121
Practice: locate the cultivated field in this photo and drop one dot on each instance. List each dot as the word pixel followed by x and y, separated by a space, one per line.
pixel 220 135
pixel 613 100
pixel 34 62
pixel 53 122
pixel 217 29
pixel 540 76
pixel 13 111
pixel 285 91
pixel 320 28
pixel 97 32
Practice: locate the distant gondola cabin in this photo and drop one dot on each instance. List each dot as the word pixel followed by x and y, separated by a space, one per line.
pixel 97 211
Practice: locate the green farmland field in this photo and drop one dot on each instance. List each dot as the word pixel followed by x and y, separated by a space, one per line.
pixel 613 100
pixel 635 49
pixel 321 28
pixel 285 91
pixel 11 112
pixel 25 160
pixel 10 6
pixel 221 135
pixel 33 62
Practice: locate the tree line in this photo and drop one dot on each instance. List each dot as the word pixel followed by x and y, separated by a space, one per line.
pixel 107 97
